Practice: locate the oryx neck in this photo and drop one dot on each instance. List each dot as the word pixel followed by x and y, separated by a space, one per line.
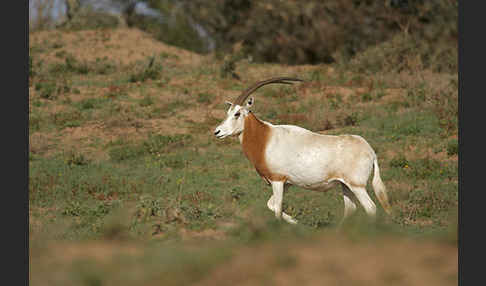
pixel 254 141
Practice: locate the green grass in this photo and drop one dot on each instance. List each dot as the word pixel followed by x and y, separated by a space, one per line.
pixel 134 168
pixel 174 186
pixel 179 180
pixel 204 98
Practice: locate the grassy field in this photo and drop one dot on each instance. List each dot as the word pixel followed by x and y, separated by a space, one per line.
pixel 128 185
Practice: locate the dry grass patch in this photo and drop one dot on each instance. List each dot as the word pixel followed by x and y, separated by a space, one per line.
pixel 40 143
pixel 122 45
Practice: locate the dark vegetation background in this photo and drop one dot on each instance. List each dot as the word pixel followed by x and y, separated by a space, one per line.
pixel 296 32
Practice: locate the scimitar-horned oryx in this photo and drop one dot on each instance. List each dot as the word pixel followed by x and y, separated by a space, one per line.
pixel 285 155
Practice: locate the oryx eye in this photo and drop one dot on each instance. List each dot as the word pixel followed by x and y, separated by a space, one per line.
pixel 237 114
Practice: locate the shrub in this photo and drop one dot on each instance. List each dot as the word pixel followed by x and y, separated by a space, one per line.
pixel 204 98
pixel 366 97
pixel 127 152
pixel 151 71
pixel 67 119
pixel 89 103
pixel 452 147
pixel 74 208
pixel 229 65
pixel 148 206
pixel 46 90
pixel 157 144
pixel 146 101
pixel 103 66
pixel 99 209
pixel 71 65
pixel 399 162
pixel 73 158
pixel 350 119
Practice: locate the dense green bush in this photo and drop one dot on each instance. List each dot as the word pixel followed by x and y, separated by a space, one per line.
pixel 298 32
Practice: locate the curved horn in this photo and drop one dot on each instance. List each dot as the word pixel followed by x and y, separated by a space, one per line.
pixel 244 95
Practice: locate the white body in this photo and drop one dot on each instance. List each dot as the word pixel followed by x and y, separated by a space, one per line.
pixel 314 161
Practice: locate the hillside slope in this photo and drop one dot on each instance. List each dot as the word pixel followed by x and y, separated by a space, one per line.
pixel 128 185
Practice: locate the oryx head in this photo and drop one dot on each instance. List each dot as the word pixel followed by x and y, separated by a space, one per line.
pixel 239 109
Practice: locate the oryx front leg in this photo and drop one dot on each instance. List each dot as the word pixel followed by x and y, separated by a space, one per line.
pixel 285 216
pixel 278 189
pixel 275 202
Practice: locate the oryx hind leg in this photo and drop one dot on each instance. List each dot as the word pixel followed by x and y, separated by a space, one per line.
pixel 349 205
pixel 365 200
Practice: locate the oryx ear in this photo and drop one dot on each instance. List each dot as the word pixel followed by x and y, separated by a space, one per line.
pixel 228 103
pixel 249 102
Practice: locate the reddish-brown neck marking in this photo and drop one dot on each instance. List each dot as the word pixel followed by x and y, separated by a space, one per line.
pixel 255 139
